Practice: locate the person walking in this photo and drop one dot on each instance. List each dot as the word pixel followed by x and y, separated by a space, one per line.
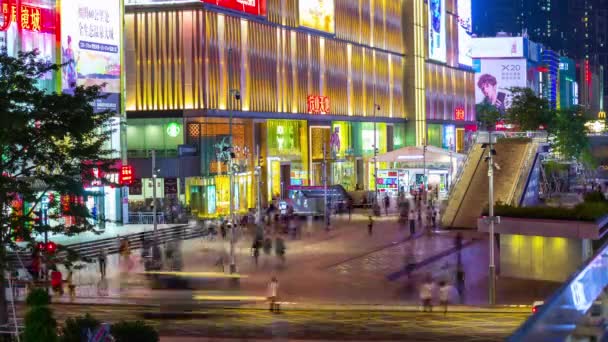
pixel 460 282
pixel 370 226
pixel 273 291
pixel 102 258
pixel 387 204
pixel 444 295
pixel 434 217
pixel 349 206
pixel 426 295
pixel 255 251
pixel 412 219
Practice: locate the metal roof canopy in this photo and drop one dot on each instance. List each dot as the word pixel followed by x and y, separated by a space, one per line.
pixel 417 154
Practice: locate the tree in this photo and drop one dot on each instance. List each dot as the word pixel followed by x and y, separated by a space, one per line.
pixel 39 322
pixel 528 111
pixel 571 139
pixel 487 115
pixel 50 145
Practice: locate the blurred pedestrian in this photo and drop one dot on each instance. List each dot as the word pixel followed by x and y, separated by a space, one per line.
pixel 444 295
pixel 349 206
pixel 255 251
pixel 460 282
pixel 279 249
pixel 223 230
pixel 370 226
pixel 387 203
pixel 426 295
pixel 102 258
pixel 434 217
pixel 273 292
pixel 267 246
pixel 412 220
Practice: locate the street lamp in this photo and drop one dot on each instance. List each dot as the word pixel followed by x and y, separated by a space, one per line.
pixel 376 108
pixel 491 220
pixel 237 96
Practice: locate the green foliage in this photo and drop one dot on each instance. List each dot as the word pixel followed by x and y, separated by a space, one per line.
pixel 570 134
pixel 587 211
pixel 48 142
pixel 594 196
pixel 134 331
pixel 528 111
pixel 487 115
pixel 75 328
pixel 39 322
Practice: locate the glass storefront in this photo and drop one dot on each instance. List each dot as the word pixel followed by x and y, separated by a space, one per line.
pixel 287 161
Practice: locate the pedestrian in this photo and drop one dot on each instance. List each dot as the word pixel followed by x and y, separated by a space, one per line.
pixel 255 251
pixel 56 281
pixel 267 246
pixel 102 258
pixel 410 262
pixel 412 219
pixel 387 203
pixel 370 226
pixel 273 292
pixel 279 249
pixel 419 215
pixel 460 281
pixel 434 217
pixel 444 295
pixel 223 230
pixel 349 205
pixel 426 295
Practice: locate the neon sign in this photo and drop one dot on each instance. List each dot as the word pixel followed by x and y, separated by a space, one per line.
pixel 459 114
pixel 317 104
pixel 27 17
pixel 255 7
pixel 126 175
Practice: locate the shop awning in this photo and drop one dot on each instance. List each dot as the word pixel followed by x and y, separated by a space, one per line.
pixel 416 154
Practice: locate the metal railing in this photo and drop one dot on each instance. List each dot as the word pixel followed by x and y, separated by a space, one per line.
pixel 145 218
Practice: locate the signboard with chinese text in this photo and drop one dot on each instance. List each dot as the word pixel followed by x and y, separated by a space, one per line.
pixel 90 47
pixel 27 17
pixel 126 175
pixel 317 15
pixel 459 114
pixel 317 104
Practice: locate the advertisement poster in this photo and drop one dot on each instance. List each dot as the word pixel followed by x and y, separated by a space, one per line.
pixel 495 77
pixel 317 15
pixel 437 36
pixel 170 186
pixel 465 28
pixel 497 47
pixel 90 48
pixel 135 188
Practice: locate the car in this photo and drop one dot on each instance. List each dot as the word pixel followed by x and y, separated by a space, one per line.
pixel 537 305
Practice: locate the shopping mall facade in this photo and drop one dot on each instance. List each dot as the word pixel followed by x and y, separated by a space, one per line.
pixel 291 80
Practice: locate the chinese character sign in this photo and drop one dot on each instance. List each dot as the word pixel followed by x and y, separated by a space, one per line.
pixel 317 104
pixel 126 175
pixel 255 7
pixel 90 47
pixel 27 17
pixel 459 114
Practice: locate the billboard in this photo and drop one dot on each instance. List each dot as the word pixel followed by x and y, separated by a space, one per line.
pixel 437 35
pixel 254 7
pixel 465 28
pixel 90 48
pixel 497 47
pixel 495 77
pixel 317 15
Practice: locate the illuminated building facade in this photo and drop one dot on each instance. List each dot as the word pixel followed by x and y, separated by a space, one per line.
pixel 310 76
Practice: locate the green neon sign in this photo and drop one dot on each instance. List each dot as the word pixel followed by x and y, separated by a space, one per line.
pixel 173 129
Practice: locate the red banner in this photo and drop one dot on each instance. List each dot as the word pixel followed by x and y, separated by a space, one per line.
pixel 28 17
pixel 255 7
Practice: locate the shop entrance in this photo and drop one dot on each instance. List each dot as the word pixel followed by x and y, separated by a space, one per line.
pixel 285 179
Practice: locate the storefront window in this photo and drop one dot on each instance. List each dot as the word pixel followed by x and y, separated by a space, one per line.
pixel 287 155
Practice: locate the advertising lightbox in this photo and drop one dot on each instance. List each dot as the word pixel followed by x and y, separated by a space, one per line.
pixel 90 48
pixel 254 7
pixel 497 47
pixel 317 15
pixel 465 27
pixel 495 77
pixel 437 34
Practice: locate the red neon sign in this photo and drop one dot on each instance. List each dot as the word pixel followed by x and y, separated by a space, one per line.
pixel 317 104
pixel 459 114
pixel 255 7
pixel 126 175
pixel 27 17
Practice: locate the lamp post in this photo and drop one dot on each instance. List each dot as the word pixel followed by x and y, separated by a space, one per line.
pixel 376 108
pixel 154 175
pixel 492 219
pixel 424 183
pixel 326 211
pixel 258 173
pixel 237 96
